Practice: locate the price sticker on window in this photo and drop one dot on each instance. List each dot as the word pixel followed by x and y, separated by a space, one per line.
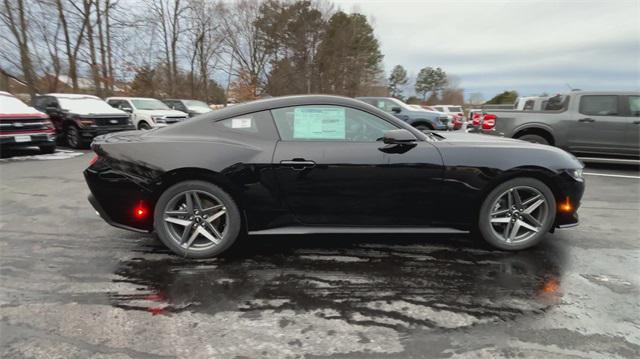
pixel 241 123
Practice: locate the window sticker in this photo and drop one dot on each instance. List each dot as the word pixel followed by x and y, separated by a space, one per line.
pixel 241 123
pixel 319 123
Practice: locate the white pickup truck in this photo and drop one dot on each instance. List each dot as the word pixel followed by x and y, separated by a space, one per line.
pixel 147 113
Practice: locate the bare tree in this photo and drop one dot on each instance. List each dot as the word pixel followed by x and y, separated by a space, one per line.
pixel 14 17
pixel 206 41
pixel 72 43
pixel 242 38
pixel 169 14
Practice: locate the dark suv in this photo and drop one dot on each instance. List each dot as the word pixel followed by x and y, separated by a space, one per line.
pixel 79 118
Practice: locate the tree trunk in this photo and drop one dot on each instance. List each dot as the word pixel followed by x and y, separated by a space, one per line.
pixel 101 47
pixel 109 55
pixel 95 72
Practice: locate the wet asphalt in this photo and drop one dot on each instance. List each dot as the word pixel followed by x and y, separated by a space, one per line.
pixel 71 286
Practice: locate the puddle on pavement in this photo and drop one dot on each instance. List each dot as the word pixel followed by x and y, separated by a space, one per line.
pixel 390 281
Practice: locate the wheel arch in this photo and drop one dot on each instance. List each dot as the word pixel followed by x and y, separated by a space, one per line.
pixel 537 129
pixel 422 121
pixel 178 175
pixel 542 174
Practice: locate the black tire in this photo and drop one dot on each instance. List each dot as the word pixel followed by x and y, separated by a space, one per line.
pixel 233 221
pixel 534 139
pixel 423 127
pixel 48 149
pixel 486 229
pixel 143 126
pixel 72 135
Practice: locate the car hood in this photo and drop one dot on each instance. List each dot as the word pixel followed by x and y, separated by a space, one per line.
pixel 477 149
pixel 162 112
pixel 470 138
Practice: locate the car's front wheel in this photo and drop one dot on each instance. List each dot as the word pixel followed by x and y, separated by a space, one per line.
pixel 517 214
pixel 73 137
pixel 197 219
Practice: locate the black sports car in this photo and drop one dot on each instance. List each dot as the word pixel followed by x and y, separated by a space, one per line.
pixel 309 164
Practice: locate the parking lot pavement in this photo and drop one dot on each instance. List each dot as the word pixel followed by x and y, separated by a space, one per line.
pixel 74 287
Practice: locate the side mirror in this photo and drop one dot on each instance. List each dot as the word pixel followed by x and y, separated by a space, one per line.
pixel 396 109
pixel 127 109
pixel 400 136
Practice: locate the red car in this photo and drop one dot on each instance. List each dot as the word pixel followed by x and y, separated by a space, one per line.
pixel 24 126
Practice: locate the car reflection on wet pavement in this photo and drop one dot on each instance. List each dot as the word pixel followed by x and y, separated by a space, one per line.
pixel 73 287
pixel 382 281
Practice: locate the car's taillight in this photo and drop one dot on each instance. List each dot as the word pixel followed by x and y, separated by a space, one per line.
pixel 489 121
pixel 475 120
pixel 93 160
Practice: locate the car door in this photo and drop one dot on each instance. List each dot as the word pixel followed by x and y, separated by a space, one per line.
pixel 332 169
pixel 598 125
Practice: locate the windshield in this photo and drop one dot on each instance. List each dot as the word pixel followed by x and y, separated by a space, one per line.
pixel 193 104
pixel 10 104
pixel 85 105
pixel 150 104
pixel 455 109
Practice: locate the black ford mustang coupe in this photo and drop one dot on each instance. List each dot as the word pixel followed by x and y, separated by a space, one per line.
pixel 326 164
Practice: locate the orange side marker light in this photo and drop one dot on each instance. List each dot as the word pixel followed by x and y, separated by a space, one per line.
pixel 566 205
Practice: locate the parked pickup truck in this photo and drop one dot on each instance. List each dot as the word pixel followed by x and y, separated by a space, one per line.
pixel 593 123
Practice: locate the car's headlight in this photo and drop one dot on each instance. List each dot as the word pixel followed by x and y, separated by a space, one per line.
pixel 576 174
pixel 158 119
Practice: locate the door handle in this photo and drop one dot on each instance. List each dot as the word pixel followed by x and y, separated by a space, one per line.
pixel 587 119
pixel 298 164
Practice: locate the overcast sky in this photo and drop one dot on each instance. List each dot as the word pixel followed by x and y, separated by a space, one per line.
pixel 529 46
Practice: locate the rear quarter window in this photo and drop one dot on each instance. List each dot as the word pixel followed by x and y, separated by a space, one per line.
pixel 258 124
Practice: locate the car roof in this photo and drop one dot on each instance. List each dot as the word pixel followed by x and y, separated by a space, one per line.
pixel 71 95
pixel 590 92
pixel 130 98
pixel 289 101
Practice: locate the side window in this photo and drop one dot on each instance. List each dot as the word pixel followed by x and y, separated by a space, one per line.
pixel 439 109
pixel 599 105
pixel 634 105
pixel 329 123
pixel 257 124
pixel 38 103
pixel 114 103
pixel 528 106
pixel 126 104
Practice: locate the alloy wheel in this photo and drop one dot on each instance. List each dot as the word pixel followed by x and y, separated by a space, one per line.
pixel 195 220
pixel 518 214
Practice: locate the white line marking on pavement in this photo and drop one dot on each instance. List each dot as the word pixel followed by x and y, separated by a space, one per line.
pixel 608 175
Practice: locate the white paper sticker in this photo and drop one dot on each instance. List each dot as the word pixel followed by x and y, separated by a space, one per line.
pixel 319 123
pixel 241 123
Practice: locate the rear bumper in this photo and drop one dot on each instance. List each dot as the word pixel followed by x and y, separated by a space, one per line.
pixel 116 197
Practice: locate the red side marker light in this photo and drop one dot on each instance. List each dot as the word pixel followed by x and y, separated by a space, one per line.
pixel 566 205
pixel 93 160
pixel 140 211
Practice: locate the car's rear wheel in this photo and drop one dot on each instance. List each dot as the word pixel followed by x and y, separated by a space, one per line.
pixel 534 139
pixel 517 214
pixel 197 219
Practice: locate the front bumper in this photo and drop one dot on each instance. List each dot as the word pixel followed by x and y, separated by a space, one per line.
pixel 89 133
pixel 568 196
pixel 27 139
